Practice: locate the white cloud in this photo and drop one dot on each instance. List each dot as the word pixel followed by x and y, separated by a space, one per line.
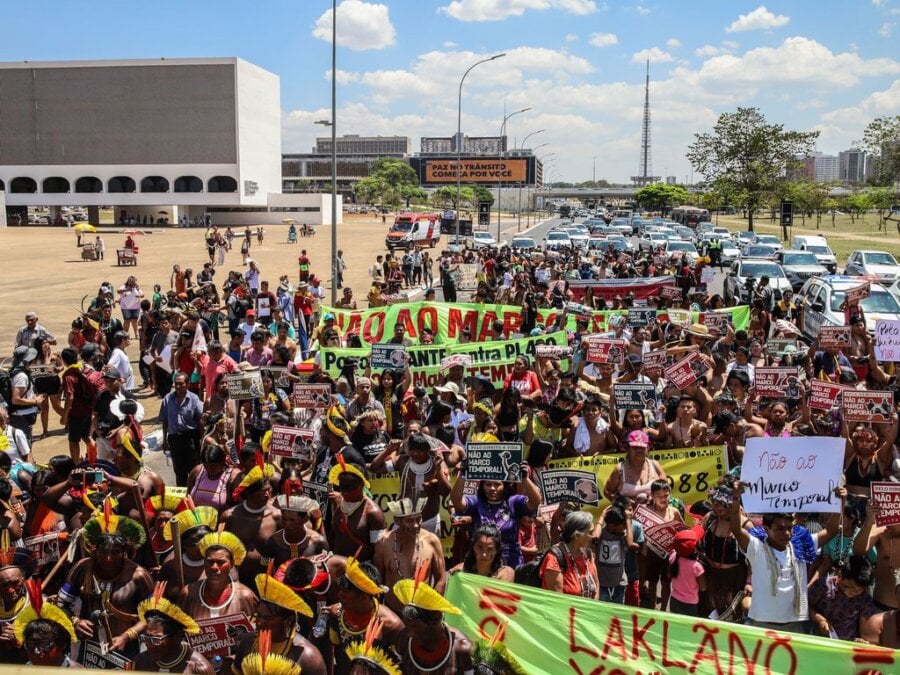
pixel 343 76
pixel 759 19
pixel 604 39
pixel 886 28
pixel 878 3
pixel 361 26
pixel 498 10
pixel 655 54
pixel 708 50
pixel 449 44
pixel 570 38
pixel 730 45
pixel 640 9
pixel 673 43
pixel 840 127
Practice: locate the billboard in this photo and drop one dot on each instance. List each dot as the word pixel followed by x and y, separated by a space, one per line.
pixel 483 170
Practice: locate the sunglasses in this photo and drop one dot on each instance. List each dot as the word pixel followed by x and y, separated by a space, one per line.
pixel 153 640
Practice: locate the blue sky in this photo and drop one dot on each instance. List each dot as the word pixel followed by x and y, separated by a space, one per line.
pixel 579 64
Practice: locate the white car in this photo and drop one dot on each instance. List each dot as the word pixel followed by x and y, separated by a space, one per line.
pixel 873 264
pixel 729 251
pixel 770 240
pixel 557 239
pixel 484 240
pixel 686 248
pixel 522 243
pixel 652 241
pixel 821 299
pixel 579 236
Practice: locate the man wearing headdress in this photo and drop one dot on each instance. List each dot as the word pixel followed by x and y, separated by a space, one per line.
pixel 295 538
pixel 44 631
pixel 357 522
pixel 407 547
pixel 254 519
pixel 217 594
pixel 164 636
pixel 371 655
pixel 192 525
pixel 334 434
pixel 16 566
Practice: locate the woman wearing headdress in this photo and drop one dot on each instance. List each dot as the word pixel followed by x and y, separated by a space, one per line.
pixel 372 656
pixel 191 525
pixel 44 631
pixel 217 594
pixel 165 627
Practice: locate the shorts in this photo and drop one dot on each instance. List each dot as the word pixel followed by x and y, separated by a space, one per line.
pixel 79 428
pixel 128 314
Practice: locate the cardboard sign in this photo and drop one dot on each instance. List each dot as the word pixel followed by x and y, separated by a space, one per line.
pixel 603 350
pixel 637 396
pixel 778 382
pixel 854 295
pixel 292 442
pixel 552 351
pixel 834 336
pixel 670 292
pixel 792 475
pixel 778 345
pixel 824 395
pixel 868 406
pixel 91 654
pixel 564 485
pixel 44 548
pixel 717 322
pixel 316 396
pixel 887 496
pixel 655 362
pixel 244 385
pixel 641 318
pixel 577 308
pixel 318 491
pixel 682 373
pixel 464 360
pixel 387 357
pixel 494 461
pixel 887 339
pixel 219 635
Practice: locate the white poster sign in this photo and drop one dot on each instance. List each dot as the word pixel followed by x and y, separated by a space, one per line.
pixel 887 340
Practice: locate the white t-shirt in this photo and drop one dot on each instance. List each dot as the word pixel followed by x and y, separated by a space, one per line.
pixel 15 443
pixel 130 299
pixel 778 608
pixel 119 360
pixel 21 380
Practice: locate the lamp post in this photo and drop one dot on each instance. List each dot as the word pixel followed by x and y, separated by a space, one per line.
pixel 459 134
pixel 332 124
pixel 500 181
pixel 519 207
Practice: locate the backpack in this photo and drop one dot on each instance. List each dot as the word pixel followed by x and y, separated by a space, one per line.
pixel 86 390
pixel 529 574
pixel 6 386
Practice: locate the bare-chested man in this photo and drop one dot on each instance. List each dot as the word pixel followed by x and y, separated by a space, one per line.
pixel 295 538
pixel 407 548
pixel 254 519
pixel 887 563
pixel 192 526
pixel 217 594
pixel 357 522
pixel 884 628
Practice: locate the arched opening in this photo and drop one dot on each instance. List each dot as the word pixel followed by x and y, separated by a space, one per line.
pixel 188 184
pixel 55 185
pixel 121 184
pixel 23 185
pixel 154 184
pixel 2 186
pixel 88 184
pixel 222 184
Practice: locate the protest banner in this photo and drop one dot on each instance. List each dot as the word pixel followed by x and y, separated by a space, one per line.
pixel 682 373
pixel 387 357
pixel 655 362
pixel 779 345
pixel 218 635
pixel 670 292
pixel 857 293
pixel 608 289
pixel 44 548
pixel 641 318
pixel 715 321
pixel 778 382
pixel 552 351
pixel 564 485
pixel 494 461
pixel 311 395
pixel 244 385
pixel 92 654
pixel 604 350
pixel 466 276
pixel 834 336
pixel 887 340
pixel 824 395
pixel 886 496
pixel 549 632
pixel 868 406
pixel 792 475
pixel 635 396
pixel 292 442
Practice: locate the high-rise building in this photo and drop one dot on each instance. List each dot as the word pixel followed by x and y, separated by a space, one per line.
pixel 852 166
pixel 354 144
pixel 472 145
pixel 825 168
pixel 671 180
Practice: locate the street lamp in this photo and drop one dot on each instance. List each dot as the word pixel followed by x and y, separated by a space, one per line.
pixel 500 181
pixel 533 133
pixel 519 207
pixel 333 124
pixel 459 134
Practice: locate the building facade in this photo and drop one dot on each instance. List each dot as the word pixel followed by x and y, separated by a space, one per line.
pixel 354 144
pixel 472 145
pixel 852 166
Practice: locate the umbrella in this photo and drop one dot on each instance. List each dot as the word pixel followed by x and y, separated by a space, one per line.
pixel 85 227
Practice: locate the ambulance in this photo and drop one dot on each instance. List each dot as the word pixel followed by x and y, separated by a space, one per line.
pixel 413 229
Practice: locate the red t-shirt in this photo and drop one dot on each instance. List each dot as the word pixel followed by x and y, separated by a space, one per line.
pixel 576 569
pixel 527 384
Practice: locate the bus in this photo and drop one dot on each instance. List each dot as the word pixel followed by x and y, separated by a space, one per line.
pixel 690 215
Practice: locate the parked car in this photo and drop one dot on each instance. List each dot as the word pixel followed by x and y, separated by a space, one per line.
pixel 819 247
pixel 761 251
pixel 522 243
pixel 736 288
pixel 729 251
pixel 821 298
pixel 652 241
pixel 878 264
pixel 800 266
pixel 722 232
pixel 622 225
pixel 626 244
pixel 744 238
pixel 770 240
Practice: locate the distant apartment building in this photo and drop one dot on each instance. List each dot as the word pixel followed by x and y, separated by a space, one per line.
pixel 354 144
pixel 825 168
pixel 471 145
pixel 852 166
pixel 671 180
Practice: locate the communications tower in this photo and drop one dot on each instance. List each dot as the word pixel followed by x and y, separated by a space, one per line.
pixel 645 162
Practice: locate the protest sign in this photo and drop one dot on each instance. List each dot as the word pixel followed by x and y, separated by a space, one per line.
pixel 661 538
pixel 318 491
pixel 715 321
pixel 660 261
pixel 218 635
pixel 292 442
pixel 778 382
pixel 654 362
pixel 792 475
pixel 824 395
pixel 244 385
pixel 641 318
pixel 466 276
pixel 868 406
pixel 563 485
pixel 579 309
pixel 779 345
pixel 670 292
pixel 44 548
pixel 680 317
pixel 834 336
pixel 494 461
pixel 886 496
pixel 604 350
pixel 857 293
pixel 552 351
pixel 645 516
pixel 887 339
pixel 280 373
pixel 37 370
pixel 707 275
pixel 91 654
pixel 464 360
pixel 682 373
pixel 635 396
pixel 312 395
pixel 387 357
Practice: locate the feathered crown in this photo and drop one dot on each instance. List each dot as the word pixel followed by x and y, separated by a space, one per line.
pixel 225 540
pixel 334 476
pixel 264 662
pixel 157 603
pixel 190 519
pixel 336 423
pixel 366 650
pixel 106 522
pixel 360 579
pixel 273 591
pixel 164 502
pixel 38 609
pixel 493 655
pixel 258 473
pixel 417 593
pixel 15 556
pixel 407 507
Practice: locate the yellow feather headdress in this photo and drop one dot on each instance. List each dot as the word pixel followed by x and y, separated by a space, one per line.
pixel 157 603
pixel 273 591
pixel 190 519
pixel 38 609
pixel 417 593
pixel 334 476
pixel 264 662
pixel 225 540
pixel 365 650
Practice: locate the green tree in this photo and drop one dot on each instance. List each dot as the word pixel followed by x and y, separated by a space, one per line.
pixel 748 153
pixel 412 192
pixel 446 196
pixel 882 199
pixel 661 197
pixel 482 195
pixel 881 140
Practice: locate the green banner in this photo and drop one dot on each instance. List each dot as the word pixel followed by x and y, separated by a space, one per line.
pixel 448 320
pixel 493 360
pixel 554 633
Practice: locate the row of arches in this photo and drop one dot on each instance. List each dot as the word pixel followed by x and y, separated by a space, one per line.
pixel 119 184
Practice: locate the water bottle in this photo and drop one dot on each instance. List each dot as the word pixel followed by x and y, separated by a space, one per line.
pixel 321 625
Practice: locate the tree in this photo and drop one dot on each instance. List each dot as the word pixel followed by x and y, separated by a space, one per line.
pixel 881 139
pixel 882 199
pixel 410 192
pixel 660 197
pixel 747 153
pixel 482 195
pixel 446 196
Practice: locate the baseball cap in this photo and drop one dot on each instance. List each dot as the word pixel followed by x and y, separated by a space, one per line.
pixel 250 312
pixel 329 317
pixel 110 373
pixel 24 354
pixel 639 439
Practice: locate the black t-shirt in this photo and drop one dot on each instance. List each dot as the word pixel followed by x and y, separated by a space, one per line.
pixel 371 445
pixel 101 408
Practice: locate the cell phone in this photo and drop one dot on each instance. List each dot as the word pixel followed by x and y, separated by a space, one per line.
pixel 93 477
pixel 77 478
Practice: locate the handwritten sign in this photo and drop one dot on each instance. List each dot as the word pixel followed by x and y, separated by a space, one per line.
pixel 641 318
pixel 218 635
pixel 868 406
pixel 552 351
pixel 569 485
pixel 779 345
pixel 854 295
pixel 42 370
pixel 462 360
pixel 602 350
pixel 834 336
pixel 778 382
pixel 655 362
pixel 670 292
pixel 717 322
pixel 316 396
pixel 824 395
pixel 636 396
pixel 682 373
pixel 887 497
pixel 387 357
pixel 887 339
pixel 494 461
pixel 292 442
pixel 244 385
pixel 92 654
pixel 792 475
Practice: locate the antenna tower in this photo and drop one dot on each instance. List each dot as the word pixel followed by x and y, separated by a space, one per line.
pixel 645 162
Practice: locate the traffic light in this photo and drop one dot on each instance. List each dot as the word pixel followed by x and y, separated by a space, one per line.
pixel 787 213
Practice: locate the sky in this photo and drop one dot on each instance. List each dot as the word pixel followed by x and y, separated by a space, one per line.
pixel 579 65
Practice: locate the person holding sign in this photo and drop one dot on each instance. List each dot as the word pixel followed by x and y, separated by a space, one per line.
pixel 885 540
